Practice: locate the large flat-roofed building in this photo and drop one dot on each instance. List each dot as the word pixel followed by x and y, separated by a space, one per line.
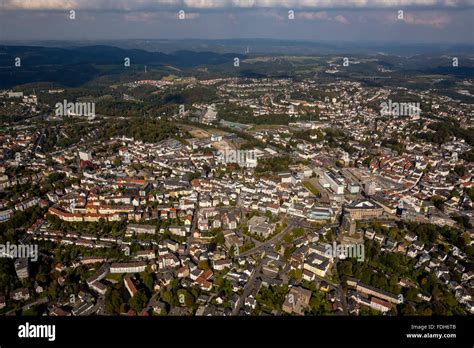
pixel 128 267
pixel 335 183
pixel 85 155
pixel 100 274
pixel 320 213
pixel 373 291
pixel 363 209
pixel 297 301
pixel 260 226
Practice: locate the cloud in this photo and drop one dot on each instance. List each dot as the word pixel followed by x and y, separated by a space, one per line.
pixel 341 19
pixel 140 17
pixel 153 16
pixel 323 15
pixel 139 5
pixel 432 19
pixel 274 14
pixel 39 4
pixel 438 20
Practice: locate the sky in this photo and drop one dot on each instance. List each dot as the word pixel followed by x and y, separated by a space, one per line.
pixel 401 21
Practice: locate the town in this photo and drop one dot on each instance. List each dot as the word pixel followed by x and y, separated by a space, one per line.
pixel 234 206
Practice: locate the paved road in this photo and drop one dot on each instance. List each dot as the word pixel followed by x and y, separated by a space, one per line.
pixel 339 290
pixel 248 288
pixel 42 300
pixel 272 240
pixel 189 240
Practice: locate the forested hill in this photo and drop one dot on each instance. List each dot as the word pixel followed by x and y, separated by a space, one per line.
pixel 75 66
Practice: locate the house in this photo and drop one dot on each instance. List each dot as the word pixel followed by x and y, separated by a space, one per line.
pixel 370 290
pixel 145 254
pixel 157 306
pixel 232 240
pixel 379 304
pixel 100 274
pixel 203 225
pixel 229 221
pixel 418 245
pixel 183 272
pixel 20 295
pixel 172 245
pixel 204 284
pixel 297 300
pixel 259 225
pixel 130 286
pixel 379 238
pixel 99 287
pixel 369 234
pixel 59 312
pixel 167 260
pixel 308 275
pixel 195 274
pixel 220 265
pixel 412 252
pixel 140 229
pixel 21 268
pixel 315 266
pixel 179 231
pixel 250 302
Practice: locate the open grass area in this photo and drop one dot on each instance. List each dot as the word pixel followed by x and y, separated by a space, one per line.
pixel 114 276
pixel 311 188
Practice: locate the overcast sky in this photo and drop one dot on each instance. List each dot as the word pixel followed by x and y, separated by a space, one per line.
pixel 447 21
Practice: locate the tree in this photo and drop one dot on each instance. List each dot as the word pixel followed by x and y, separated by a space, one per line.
pixel 219 238
pixel 296 274
pixel 460 170
pixel 114 300
pixel 438 202
pixel 287 238
pixel 138 302
pixel 203 265
pixel 412 294
pixel 269 215
pixel 185 298
pixel 147 280
pixel 298 232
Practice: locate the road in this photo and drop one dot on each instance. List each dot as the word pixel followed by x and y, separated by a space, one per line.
pixel 248 288
pixel 189 240
pixel 339 290
pixel 42 300
pixel 273 239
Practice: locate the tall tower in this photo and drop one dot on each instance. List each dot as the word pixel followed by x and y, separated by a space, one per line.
pixel 400 208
